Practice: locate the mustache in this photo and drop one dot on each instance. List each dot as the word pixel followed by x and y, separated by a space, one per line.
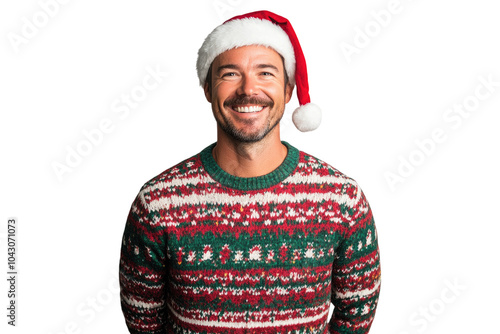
pixel 248 100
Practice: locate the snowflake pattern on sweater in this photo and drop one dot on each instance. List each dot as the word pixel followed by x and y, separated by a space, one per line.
pixel 207 252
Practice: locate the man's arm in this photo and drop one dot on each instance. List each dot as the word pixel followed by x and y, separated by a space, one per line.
pixel 142 271
pixel 356 272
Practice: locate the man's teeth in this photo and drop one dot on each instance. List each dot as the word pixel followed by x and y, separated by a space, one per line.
pixel 248 109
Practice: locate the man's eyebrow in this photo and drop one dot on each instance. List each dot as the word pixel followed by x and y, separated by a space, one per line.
pixel 235 67
pixel 261 66
pixel 227 66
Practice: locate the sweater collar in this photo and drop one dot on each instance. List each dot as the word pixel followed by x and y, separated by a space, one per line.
pixel 250 183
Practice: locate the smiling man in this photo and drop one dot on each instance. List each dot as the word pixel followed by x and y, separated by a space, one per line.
pixel 251 235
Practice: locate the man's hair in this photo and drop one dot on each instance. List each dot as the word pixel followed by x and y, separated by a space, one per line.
pixel 208 79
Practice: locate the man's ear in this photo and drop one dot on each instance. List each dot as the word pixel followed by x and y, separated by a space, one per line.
pixel 288 92
pixel 208 94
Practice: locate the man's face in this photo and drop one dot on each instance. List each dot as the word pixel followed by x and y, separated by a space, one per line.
pixel 248 92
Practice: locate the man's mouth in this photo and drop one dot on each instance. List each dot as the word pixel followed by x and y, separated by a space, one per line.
pixel 247 109
pixel 248 104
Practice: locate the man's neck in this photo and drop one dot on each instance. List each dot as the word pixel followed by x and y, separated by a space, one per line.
pixel 249 159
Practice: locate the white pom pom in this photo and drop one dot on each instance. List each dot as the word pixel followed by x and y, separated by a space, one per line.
pixel 307 117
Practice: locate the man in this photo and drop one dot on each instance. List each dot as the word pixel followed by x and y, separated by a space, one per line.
pixel 251 235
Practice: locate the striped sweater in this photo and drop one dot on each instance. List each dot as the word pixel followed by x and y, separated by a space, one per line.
pixel 207 252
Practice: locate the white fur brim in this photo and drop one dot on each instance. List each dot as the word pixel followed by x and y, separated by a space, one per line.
pixel 307 117
pixel 243 32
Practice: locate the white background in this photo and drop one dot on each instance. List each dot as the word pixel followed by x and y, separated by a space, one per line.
pixel 437 223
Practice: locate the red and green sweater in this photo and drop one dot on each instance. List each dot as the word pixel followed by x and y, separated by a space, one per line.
pixel 207 252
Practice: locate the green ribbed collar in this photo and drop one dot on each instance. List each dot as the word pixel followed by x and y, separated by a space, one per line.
pixel 250 183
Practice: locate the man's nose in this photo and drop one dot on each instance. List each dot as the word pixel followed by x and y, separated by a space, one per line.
pixel 248 86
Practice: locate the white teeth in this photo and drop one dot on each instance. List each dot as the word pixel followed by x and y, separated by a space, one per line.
pixel 248 109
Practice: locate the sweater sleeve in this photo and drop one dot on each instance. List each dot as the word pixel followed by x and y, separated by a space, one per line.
pixel 142 271
pixel 356 271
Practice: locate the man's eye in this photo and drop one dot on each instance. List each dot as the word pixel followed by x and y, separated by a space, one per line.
pixel 229 74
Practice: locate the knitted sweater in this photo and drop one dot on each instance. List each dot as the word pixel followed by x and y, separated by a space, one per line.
pixel 207 252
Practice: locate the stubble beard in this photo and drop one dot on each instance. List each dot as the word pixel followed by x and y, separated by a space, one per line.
pixel 241 136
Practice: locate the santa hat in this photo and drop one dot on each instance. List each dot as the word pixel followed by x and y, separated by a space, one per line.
pixel 273 31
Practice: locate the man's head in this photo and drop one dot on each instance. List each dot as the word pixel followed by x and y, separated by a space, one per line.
pixel 242 36
pixel 248 92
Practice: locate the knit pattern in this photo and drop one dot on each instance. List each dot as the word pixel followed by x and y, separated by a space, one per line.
pixel 207 252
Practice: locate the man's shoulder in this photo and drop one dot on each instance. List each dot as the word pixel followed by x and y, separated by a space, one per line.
pixel 329 184
pixel 311 166
pixel 181 173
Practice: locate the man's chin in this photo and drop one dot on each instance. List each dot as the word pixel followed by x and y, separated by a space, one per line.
pixel 245 136
pixel 248 138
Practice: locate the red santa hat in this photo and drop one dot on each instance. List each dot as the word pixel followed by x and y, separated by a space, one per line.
pixel 273 31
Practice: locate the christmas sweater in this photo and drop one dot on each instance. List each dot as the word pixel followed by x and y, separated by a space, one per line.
pixel 207 252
